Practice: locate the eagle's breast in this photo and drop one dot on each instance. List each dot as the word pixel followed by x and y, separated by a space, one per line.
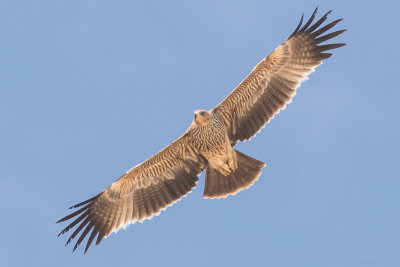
pixel 209 137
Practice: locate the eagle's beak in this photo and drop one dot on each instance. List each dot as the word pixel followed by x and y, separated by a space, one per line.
pixel 195 115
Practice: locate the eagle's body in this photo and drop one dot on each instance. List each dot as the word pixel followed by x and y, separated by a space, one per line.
pixel 166 177
pixel 209 136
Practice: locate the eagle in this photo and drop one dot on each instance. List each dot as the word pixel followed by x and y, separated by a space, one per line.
pixel 157 183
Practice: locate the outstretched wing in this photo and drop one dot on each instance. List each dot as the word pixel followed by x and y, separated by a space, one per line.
pixel 139 194
pixel 273 82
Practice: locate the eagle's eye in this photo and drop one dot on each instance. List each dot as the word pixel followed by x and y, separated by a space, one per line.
pixel 203 113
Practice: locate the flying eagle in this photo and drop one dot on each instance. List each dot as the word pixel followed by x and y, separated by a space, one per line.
pixel 152 186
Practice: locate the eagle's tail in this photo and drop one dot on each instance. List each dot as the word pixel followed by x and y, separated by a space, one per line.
pixel 219 186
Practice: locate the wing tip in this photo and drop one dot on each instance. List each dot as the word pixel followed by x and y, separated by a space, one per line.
pixel 308 28
pixel 298 26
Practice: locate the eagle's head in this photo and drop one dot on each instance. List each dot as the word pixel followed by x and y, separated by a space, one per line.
pixel 201 117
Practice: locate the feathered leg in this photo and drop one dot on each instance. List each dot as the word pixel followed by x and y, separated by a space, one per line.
pixel 219 186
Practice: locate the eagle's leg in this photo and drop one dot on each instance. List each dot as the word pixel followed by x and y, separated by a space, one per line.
pixel 220 185
pixel 224 161
pixel 231 155
pixel 222 164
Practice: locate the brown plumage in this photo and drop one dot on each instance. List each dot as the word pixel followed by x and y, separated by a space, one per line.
pixel 166 177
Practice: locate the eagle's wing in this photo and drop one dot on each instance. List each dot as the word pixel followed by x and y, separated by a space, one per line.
pixel 273 82
pixel 139 194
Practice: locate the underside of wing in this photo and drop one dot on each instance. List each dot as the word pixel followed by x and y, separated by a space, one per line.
pixel 141 193
pixel 273 82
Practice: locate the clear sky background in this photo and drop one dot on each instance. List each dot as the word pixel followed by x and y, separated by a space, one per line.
pixel 89 89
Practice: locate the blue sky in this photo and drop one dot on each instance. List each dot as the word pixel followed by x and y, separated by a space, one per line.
pixel 89 89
